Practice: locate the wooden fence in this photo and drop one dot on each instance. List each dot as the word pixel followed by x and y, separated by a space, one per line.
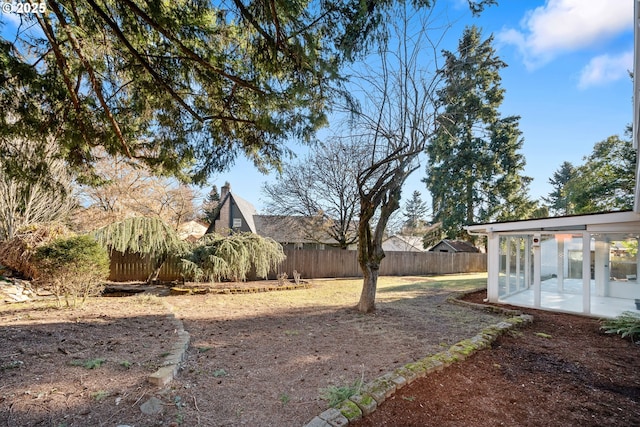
pixel 338 263
pixel 132 267
pixel 321 263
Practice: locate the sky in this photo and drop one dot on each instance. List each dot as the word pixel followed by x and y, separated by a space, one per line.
pixel 567 78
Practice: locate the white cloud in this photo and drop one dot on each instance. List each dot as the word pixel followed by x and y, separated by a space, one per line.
pixel 606 68
pixel 11 18
pixel 567 25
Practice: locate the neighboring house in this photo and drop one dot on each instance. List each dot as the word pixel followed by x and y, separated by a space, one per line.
pixel 403 243
pixel 292 232
pixel 572 263
pixel 453 246
pixel 237 215
pixel 192 230
pixel 234 214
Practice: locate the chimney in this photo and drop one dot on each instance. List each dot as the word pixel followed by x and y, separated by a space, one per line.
pixel 226 188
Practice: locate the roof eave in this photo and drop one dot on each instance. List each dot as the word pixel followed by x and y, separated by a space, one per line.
pixel 575 222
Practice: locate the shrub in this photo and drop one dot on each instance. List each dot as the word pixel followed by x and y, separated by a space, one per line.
pixel 626 325
pixel 215 257
pixel 142 235
pixel 16 253
pixel 73 268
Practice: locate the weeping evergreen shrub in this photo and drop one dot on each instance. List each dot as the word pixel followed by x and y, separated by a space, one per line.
pixel 73 268
pixel 214 258
pixel 144 236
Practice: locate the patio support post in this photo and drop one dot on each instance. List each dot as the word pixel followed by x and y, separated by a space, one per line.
pixel 518 244
pixel 560 270
pixel 537 266
pixel 493 267
pixel 507 283
pixel 527 262
pixel 586 273
pixel 601 265
pixel 638 262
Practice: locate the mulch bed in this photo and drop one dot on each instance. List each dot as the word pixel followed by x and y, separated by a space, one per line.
pixel 561 370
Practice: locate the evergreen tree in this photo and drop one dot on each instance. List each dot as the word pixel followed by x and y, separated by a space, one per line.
pixel 558 199
pixel 474 166
pixel 181 84
pixel 211 205
pixel 141 235
pixel 606 181
pixel 215 257
pixel 415 211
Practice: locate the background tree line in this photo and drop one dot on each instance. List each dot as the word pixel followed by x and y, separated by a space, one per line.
pixel 604 182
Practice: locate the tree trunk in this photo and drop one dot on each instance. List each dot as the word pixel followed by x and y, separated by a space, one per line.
pixel 156 270
pixel 367 303
pixel 370 254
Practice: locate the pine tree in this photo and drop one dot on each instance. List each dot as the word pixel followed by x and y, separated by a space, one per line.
pixel 474 166
pixel 558 199
pixel 415 211
pixel 141 235
pixel 181 84
pixel 211 206
pixel 215 257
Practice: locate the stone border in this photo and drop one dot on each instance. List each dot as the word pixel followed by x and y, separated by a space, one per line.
pixel 456 298
pixel 169 369
pixel 254 290
pixel 377 391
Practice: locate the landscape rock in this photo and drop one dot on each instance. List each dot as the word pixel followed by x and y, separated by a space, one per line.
pixel 15 291
pixel 153 406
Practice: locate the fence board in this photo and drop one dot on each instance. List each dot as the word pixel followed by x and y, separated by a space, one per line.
pixel 318 264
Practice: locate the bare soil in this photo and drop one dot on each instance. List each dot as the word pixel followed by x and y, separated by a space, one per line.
pixel 560 371
pixel 263 359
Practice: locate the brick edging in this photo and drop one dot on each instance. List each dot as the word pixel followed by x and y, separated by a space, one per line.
pixel 169 369
pixel 254 290
pixel 377 391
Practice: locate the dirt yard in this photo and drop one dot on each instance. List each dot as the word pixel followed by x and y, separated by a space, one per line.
pixel 264 359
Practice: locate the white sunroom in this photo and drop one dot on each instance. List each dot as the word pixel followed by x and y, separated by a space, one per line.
pixel 584 264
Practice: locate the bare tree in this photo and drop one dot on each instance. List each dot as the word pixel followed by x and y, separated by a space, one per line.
pixel 40 192
pixel 128 189
pixel 393 125
pixel 322 189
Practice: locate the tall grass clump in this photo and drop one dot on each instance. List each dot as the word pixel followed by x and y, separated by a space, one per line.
pixel 16 253
pixel 336 394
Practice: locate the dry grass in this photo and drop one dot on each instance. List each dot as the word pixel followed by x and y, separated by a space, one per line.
pixel 333 293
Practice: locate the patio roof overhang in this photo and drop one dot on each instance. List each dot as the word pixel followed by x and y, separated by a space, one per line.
pixel 623 222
